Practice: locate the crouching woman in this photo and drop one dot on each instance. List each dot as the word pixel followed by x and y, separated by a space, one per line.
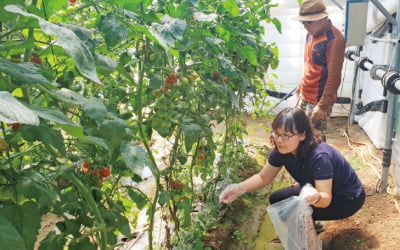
pixel 337 191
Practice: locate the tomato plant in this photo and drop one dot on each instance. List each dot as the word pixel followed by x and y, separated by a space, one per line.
pixel 111 78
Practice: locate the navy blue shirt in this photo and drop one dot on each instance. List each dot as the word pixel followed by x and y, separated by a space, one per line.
pixel 323 162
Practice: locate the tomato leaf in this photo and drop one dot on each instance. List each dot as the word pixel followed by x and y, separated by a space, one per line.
pixel 69 41
pixel 162 126
pixel 9 236
pixel 192 133
pixel 105 62
pixel 69 96
pixel 139 198
pixel 199 16
pixel 114 32
pixel 186 206
pixel 53 241
pixel 13 111
pixel 135 158
pixel 73 130
pixel 46 135
pixel 22 73
pixel 25 218
pixel 249 53
pixel 169 30
pixel 95 109
pixel 277 24
pixel 52 115
pixel 114 131
pixel 33 187
pixel 98 141
pixel 232 7
pixel 6 16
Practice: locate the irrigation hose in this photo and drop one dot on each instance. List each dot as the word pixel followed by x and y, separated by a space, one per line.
pixel 349 141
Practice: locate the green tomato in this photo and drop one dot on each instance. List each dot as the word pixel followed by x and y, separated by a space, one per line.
pixel 184 80
pixel 3 145
pixel 152 57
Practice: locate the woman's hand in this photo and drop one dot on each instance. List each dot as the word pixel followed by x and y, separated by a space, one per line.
pixel 231 192
pixel 310 194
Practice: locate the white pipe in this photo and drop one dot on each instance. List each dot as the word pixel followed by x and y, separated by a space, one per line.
pixel 383 40
pixel 397 84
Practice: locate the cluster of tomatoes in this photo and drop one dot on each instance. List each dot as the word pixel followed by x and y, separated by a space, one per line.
pixel 216 76
pixel 177 185
pixel 171 79
pixel 103 173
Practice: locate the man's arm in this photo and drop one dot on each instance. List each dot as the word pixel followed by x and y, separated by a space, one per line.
pixel 334 59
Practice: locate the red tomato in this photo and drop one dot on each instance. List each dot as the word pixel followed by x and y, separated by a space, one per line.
pixel 202 156
pixel 170 81
pixel 105 172
pixel 14 126
pixel 225 79
pixel 85 165
pixel 173 76
pixel 35 59
pixel 215 75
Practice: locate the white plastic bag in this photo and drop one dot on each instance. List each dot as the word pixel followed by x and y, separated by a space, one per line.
pixel 294 225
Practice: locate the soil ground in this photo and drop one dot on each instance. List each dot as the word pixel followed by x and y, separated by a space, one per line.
pixel 374 226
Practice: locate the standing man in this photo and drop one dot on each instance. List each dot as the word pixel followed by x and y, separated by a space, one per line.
pixel 323 60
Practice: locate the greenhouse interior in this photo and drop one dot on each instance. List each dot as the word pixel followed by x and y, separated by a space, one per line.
pixel 199 124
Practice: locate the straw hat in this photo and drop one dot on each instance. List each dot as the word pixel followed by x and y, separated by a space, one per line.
pixel 312 10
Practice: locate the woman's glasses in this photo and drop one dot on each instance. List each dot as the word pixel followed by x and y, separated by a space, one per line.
pixel 282 136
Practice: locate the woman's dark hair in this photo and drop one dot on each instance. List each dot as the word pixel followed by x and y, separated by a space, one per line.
pixel 295 120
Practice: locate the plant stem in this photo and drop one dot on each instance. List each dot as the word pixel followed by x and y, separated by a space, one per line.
pixel 88 197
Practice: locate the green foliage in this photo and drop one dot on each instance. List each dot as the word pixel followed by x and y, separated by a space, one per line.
pixel 85 90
